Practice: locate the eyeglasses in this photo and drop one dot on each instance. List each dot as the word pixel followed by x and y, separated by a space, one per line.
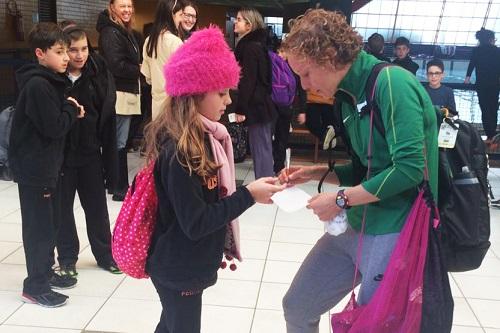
pixel 189 16
pixel 434 73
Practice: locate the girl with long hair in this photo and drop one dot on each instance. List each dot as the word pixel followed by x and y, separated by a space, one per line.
pixel 159 46
pixel 198 202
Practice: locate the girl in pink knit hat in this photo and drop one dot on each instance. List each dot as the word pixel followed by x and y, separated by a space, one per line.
pixel 198 202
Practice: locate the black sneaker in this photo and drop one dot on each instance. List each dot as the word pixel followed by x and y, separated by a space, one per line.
pixel 62 281
pixel 51 299
pixel 68 269
pixel 111 267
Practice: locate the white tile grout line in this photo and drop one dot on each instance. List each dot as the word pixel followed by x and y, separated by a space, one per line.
pixel 263 271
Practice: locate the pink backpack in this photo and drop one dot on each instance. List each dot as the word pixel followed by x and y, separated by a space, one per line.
pixel 135 224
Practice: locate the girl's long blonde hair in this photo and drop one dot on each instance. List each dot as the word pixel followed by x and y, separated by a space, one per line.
pixel 127 26
pixel 181 123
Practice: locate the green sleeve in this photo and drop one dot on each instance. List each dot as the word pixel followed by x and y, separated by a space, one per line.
pixel 401 101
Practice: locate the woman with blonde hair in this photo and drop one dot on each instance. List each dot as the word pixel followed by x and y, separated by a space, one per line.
pixel 159 46
pixel 119 47
pixel 255 106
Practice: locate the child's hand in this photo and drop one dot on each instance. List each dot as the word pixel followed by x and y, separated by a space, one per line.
pixel 301 118
pixel 263 189
pixel 240 118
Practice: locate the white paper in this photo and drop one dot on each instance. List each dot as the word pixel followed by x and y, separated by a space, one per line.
pixel 291 199
pixel 232 117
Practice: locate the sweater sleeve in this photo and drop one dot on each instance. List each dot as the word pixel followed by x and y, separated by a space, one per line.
pixel 146 66
pixel 196 217
pixel 401 105
pixel 52 119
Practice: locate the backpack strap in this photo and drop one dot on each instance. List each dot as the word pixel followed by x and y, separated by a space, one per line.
pixel 371 103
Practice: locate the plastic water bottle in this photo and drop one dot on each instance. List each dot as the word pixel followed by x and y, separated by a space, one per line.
pixel 338 225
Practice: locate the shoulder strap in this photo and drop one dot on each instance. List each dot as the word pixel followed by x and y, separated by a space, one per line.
pixel 371 103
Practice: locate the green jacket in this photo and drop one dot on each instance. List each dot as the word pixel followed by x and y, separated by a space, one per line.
pixel 397 166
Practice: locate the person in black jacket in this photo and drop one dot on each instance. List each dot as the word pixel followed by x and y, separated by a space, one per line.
pixel 486 61
pixel 121 50
pixel 255 106
pixel 375 47
pixel 89 155
pixel 402 49
pixel 44 115
pixel 198 201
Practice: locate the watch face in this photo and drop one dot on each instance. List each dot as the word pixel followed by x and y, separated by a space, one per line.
pixel 340 202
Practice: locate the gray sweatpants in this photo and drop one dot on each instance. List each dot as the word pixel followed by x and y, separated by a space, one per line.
pixel 261 148
pixel 327 273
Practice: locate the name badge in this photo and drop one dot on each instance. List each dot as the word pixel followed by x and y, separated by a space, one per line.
pixel 447 135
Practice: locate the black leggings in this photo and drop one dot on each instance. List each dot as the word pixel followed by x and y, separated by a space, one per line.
pixel 181 310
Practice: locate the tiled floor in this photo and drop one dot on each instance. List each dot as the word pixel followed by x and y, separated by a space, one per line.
pixel 247 300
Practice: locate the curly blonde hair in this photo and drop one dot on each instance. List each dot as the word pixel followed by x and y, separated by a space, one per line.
pixel 324 37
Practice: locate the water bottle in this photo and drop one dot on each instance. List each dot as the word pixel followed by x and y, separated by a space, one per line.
pixel 338 225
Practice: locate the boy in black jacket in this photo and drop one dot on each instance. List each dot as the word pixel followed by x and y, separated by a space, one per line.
pixel 42 118
pixel 402 50
pixel 90 153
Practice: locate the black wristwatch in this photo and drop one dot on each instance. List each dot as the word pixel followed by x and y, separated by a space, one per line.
pixel 341 200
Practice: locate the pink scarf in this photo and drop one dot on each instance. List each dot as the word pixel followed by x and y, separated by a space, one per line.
pixel 222 151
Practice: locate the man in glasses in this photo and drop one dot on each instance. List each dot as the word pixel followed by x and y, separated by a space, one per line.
pixel 440 95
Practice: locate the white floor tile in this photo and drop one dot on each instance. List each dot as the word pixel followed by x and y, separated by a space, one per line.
pixel 249 270
pixel 483 287
pixel 221 319
pixel 255 232
pixel 5 185
pixel 466 329
pixel 10 232
pixel 74 315
pixel 95 283
pixel 455 290
pixel 463 314
pixel 271 296
pixel 8 248
pixel 126 316
pixel 11 277
pixel 132 288
pixel 9 302
pixel 8 205
pixel 288 251
pixel 487 312
pixel 273 321
pixel 14 217
pixel 254 249
pixel 491 330
pixel 31 329
pixel 232 293
pixel 296 235
pixel 280 271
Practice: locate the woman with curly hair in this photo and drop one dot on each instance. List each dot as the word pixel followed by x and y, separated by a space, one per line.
pixel 326 53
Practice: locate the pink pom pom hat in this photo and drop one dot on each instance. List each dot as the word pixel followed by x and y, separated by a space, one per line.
pixel 202 64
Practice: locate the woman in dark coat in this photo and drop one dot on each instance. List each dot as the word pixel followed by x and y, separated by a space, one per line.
pixel 486 60
pixel 121 50
pixel 255 106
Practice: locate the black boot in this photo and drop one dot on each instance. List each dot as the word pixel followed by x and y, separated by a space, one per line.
pixel 122 186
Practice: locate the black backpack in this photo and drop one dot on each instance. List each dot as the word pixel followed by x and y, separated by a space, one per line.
pixel 6 116
pixel 463 188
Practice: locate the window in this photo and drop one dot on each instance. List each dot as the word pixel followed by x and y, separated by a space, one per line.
pixel 47 11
